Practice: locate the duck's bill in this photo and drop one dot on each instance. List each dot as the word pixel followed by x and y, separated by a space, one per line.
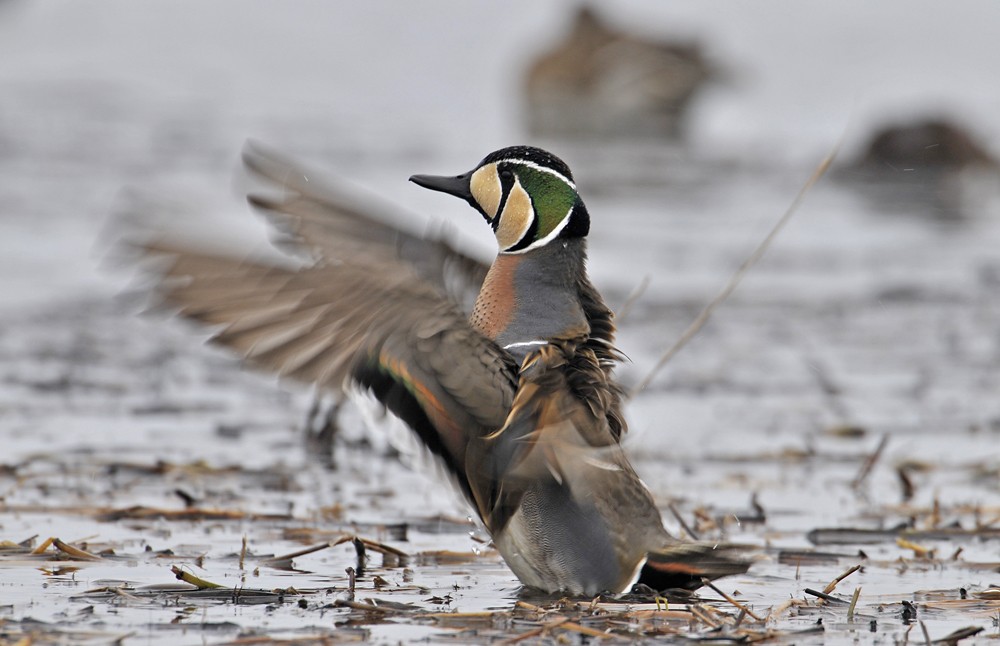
pixel 457 185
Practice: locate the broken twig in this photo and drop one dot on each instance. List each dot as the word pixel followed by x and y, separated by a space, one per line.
pixel 866 468
pixel 737 277
pixel 833 584
pixel 742 608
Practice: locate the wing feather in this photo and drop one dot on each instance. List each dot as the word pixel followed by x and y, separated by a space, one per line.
pixel 367 302
pixel 327 219
pixel 380 326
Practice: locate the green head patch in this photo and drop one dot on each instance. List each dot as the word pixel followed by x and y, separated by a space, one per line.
pixel 526 194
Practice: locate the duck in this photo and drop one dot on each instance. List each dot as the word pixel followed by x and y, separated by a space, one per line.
pixel 604 83
pixel 932 166
pixel 518 400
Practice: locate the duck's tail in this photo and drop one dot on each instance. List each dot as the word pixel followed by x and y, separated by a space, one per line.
pixel 685 565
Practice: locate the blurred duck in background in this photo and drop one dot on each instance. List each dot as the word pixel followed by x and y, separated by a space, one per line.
pixel 932 166
pixel 600 82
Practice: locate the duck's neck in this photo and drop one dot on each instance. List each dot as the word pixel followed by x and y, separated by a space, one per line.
pixel 531 298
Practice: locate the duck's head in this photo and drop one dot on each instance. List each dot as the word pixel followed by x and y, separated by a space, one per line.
pixel 526 194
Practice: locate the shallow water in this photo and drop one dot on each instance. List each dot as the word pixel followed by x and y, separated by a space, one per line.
pixel 861 323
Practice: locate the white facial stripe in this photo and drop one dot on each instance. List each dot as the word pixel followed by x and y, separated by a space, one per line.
pixel 547 239
pixel 544 169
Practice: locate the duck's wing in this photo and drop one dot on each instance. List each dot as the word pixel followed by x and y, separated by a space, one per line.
pixel 368 320
pixel 320 216
pixel 556 442
pixel 550 436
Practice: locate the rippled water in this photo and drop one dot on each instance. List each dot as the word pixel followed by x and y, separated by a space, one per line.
pixel 860 318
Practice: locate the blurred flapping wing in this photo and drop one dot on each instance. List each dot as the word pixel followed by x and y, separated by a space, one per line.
pixel 360 314
pixel 321 218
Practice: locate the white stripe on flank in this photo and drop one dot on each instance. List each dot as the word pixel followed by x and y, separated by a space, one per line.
pixel 521 344
pixel 637 573
pixel 635 576
pixel 544 169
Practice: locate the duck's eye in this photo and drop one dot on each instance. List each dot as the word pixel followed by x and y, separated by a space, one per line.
pixel 506 174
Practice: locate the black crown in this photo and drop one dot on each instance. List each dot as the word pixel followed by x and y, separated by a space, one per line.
pixel 535 155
